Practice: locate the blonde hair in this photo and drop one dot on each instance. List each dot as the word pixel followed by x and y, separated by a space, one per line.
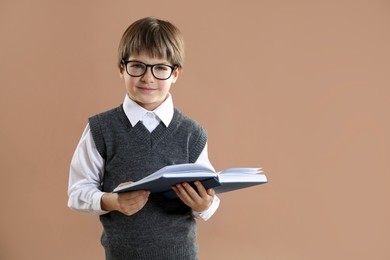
pixel 156 37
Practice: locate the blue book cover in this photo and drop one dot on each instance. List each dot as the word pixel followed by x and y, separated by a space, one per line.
pixel 162 180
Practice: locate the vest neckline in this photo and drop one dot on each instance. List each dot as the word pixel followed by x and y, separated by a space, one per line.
pixel 143 133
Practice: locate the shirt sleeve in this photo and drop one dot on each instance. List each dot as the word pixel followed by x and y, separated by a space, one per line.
pixel 85 175
pixel 205 215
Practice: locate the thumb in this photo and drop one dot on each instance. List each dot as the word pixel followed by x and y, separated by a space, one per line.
pixel 211 192
pixel 125 183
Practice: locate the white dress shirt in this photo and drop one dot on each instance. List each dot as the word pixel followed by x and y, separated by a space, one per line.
pixel 87 165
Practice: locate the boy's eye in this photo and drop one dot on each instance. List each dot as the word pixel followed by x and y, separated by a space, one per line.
pixel 137 65
pixel 161 68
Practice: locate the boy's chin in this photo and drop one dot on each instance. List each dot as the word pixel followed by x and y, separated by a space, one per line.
pixel 150 105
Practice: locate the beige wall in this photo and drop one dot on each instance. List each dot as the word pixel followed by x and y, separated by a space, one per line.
pixel 300 88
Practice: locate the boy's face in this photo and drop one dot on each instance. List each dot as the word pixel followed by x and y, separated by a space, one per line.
pixel 146 90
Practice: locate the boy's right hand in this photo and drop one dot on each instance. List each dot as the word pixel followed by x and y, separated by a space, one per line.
pixel 127 203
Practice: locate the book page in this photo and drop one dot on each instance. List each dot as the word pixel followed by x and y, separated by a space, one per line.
pixel 241 171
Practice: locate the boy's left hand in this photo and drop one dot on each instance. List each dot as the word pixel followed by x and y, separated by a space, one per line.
pixel 197 200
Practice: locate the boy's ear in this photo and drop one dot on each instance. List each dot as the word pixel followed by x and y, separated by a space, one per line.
pixel 121 70
pixel 175 74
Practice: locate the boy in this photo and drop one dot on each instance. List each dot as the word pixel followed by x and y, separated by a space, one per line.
pixel 137 138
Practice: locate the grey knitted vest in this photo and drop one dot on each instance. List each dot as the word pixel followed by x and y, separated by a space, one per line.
pixel 164 228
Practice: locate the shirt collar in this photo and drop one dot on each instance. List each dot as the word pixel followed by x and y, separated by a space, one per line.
pixel 135 112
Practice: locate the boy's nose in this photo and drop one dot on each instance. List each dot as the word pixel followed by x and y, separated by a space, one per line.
pixel 148 76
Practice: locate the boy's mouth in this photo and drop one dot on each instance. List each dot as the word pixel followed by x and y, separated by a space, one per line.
pixel 147 88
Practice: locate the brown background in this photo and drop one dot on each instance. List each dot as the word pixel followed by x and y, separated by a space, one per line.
pixel 300 88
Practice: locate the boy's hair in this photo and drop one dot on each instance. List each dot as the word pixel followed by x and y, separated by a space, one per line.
pixel 156 37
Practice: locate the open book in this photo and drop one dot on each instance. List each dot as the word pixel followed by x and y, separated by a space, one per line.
pixel 162 180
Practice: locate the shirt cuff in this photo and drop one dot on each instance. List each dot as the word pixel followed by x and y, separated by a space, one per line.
pixel 206 214
pixel 96 204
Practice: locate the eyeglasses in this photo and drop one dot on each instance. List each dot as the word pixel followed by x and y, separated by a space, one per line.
pixel 138 69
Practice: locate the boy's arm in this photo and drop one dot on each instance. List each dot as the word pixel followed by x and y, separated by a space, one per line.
pixel 215 201
pixel 86 171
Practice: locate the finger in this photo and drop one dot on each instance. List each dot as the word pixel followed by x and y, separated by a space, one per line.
pixel 211 192
pixel 127 197
pixel 134 208
pixel 178 193
pixel 133 194
pixel 125 183
pixel 201 190
pixel 130 207
pixel 182 193
pixel 192 193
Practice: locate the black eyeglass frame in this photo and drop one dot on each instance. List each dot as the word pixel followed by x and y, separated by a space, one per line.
pixel 173 68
